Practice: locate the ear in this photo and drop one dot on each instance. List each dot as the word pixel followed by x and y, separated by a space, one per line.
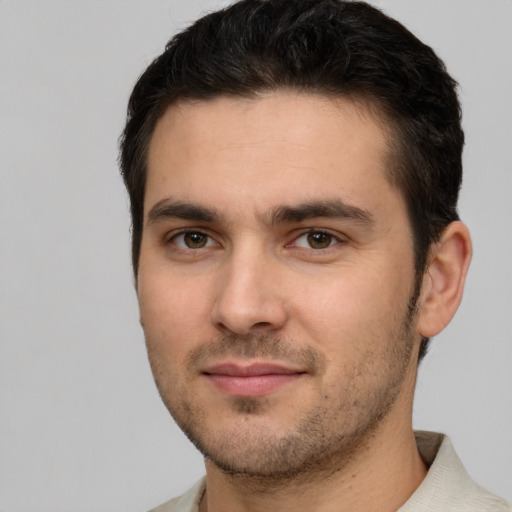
pixel 443 282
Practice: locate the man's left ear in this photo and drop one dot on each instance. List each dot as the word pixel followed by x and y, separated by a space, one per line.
pixel 443 282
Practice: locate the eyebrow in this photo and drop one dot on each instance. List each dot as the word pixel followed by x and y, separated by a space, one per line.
pixel 335 208
pixel 168 209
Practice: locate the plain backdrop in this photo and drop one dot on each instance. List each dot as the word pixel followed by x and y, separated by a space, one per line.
pixel 81 424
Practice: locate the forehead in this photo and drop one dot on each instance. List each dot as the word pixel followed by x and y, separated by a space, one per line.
pixel 275 148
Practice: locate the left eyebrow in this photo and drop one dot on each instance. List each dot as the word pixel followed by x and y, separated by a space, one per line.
pixel 331 209
pixel 168 209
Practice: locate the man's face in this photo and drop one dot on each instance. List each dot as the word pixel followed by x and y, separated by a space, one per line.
pixel 276 279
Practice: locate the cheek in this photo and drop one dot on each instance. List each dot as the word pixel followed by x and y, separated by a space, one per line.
pixel 349 293
pixel 352 307
pixel 172 310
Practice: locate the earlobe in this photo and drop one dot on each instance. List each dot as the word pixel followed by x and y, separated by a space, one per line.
pixel 443 283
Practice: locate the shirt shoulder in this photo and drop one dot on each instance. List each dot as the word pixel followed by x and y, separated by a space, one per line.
pixel 188 502
pixel 448 486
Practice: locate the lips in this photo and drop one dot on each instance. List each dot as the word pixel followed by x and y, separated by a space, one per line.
pixel 256 379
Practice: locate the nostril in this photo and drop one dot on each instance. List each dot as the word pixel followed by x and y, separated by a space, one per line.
pixel 261 324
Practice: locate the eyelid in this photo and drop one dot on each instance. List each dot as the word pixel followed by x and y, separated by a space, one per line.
pixel 337 238
pixel 171 237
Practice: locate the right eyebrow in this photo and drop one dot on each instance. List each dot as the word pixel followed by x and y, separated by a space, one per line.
pixel 168 209
pixel 328 208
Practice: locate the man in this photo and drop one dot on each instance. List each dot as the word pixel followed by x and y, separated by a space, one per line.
pixel 293 170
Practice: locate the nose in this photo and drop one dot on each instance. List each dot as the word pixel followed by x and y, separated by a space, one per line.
pixel 249 296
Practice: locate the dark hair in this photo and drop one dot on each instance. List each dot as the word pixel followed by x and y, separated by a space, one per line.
pixel 327 47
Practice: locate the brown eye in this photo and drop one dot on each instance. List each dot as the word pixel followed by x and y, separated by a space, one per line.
pixel 319 240
pixel 195 240
pixel 316 240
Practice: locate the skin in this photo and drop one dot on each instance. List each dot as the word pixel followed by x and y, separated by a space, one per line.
pixel 299 253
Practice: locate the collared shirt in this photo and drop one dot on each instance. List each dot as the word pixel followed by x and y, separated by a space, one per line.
pixel 447 486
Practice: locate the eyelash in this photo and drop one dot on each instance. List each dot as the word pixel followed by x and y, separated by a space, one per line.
pixel 191 232
pixel 333 240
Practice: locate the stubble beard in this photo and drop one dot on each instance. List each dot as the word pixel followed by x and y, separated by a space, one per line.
pixel 328 435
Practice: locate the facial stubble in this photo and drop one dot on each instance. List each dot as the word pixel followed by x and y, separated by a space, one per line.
pixel 323 439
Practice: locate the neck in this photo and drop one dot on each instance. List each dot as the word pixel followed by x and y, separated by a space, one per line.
pixel 378 475
pixel 381 476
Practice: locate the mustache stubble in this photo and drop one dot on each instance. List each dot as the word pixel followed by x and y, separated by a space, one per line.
pixel 263 346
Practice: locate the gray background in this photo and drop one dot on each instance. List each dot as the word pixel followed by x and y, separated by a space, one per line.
pixel 81 425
